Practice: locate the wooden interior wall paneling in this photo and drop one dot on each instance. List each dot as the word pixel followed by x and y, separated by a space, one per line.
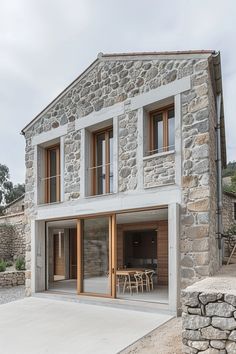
pixel 162 252
pixel 120 247
pixel 59 262
pixel 162 244
pixel 73 254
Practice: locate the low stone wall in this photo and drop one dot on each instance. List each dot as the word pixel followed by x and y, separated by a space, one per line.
pixel 12 278
pixel 209 315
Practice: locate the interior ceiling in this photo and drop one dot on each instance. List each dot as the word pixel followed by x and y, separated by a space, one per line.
pixel 142 216
pixel 125 218
pixel 63 224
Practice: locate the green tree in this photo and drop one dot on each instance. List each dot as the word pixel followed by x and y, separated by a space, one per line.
pixel 230 169
pixel 8 191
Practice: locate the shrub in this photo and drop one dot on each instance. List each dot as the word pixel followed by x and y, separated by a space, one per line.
pixel 20 263
pixel 2 265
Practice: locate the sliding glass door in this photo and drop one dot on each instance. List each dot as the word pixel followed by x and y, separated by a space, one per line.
pixel 96 269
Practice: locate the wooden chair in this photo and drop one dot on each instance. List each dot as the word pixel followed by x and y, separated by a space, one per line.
pixel 120 283
pixel 149 278
pixel 134 282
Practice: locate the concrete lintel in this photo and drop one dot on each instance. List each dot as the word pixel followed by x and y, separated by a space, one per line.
pixel 111 203
pixel 50 135
pixel 161 93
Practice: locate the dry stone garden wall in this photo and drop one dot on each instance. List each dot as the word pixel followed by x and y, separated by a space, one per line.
pixel 209 317
pixel 10 279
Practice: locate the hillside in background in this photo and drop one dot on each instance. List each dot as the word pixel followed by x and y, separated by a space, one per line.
pixel 230 169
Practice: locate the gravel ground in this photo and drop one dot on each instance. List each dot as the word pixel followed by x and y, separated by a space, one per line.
pixel 166 339
pixel 12 294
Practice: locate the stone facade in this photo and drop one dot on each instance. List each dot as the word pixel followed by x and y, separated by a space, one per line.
pixel 209 317
pixel 159 171
pixel 113 80
pixel 12 278
pixel 199 250
pixel 128 171
pixel 72 165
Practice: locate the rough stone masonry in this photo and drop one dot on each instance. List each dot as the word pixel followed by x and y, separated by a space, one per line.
pixel 209 315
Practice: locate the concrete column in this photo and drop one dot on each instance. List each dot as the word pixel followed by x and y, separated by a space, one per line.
pixel 140 147
pixel 82 164
pixel 173 256
pixel 115 154
pixel 38 257
pixel 62 166
pixel 33 258
pixel 178 141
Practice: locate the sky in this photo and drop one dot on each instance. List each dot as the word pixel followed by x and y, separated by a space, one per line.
pixel 46 44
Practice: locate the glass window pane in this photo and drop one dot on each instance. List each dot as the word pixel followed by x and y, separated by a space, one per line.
pixel 100 162
pixel 111 160
pixel 171 129
pixel 52 175
pixel 96 276
pixel 158 133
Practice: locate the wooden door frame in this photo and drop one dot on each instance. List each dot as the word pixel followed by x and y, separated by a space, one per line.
pixel 112 257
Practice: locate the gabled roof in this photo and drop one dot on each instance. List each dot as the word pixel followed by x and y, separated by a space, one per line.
pixel 216 72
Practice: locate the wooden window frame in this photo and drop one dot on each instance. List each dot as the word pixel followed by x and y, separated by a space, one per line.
pixel 94 188
pixel 164 111
pixel 47 170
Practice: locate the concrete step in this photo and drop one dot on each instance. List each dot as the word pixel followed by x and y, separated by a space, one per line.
pixel 115 303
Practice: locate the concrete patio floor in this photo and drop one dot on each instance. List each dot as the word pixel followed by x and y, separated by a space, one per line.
pixel 38 326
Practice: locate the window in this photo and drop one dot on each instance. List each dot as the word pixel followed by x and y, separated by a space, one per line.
pixel 162 130
pixel 102 168
pixel 52 185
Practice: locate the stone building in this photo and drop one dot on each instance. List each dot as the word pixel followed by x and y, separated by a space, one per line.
pixel 228 210
pixel 122 185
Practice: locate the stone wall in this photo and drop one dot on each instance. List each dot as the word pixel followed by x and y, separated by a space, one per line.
pixel 6 241
pixel 72 165
pixel 10 279
pixel 198 245
pixel 128 133
pixel 12 238
pixel 209 315
pixel 159 170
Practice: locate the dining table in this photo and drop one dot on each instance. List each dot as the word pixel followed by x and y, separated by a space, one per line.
pixel 127 273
